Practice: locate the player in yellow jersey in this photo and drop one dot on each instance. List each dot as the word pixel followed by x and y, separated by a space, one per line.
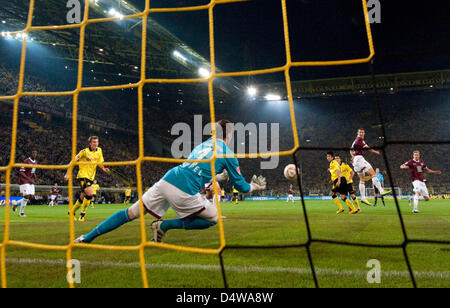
pixel 222 195
pixel 86 174
pixel 339 184
pixel 127 196
pixel 95 188
pixel 348 173
pixel 235 196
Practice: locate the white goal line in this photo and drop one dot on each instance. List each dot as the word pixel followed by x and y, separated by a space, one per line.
pixel 240 269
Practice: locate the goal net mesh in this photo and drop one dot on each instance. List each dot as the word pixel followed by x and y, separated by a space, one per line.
pixel 145 243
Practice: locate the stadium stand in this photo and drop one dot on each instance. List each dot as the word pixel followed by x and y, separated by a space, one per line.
pixel 403 113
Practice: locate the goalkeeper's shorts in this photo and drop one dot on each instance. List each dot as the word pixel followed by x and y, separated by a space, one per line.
pixel 163 195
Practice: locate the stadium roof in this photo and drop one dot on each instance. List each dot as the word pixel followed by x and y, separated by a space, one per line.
pixel 114 46
pixel 360 85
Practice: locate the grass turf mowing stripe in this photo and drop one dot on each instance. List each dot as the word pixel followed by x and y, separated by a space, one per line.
pixel 241 269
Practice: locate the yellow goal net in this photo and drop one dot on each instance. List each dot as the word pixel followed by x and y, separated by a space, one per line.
pixel 142 158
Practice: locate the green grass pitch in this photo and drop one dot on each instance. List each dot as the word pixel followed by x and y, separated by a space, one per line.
pixel 249 223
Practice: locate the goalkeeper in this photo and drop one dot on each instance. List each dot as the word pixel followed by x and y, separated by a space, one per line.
pixel 180 189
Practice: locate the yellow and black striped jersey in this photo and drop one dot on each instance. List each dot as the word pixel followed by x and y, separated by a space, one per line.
pixel 334 167
pixel 89 171
pixel 347 172
pixel 95 188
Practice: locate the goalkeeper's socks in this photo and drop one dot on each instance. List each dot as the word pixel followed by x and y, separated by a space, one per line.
pixel 108 225
pixel 197 223
pixel 168 224
pixel 194 223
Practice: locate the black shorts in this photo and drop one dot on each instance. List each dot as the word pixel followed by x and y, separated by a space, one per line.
pixel 351 189
pixel 236 194
pixel 342 189
pixel 84 183
pixel 127 197
pixel 376 191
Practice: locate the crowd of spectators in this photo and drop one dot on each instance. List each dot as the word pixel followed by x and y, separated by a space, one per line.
pixel 327 122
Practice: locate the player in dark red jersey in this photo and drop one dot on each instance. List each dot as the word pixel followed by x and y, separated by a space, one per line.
pixel 27 180
pixel 361 166
pixel 290 196
pixel 416 168
pixel 54 195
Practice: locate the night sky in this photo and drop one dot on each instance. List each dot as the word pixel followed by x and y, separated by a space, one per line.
pixel 412 36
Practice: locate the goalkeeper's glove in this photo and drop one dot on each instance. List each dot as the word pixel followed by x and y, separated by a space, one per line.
pixel 258 183
pixel 222 176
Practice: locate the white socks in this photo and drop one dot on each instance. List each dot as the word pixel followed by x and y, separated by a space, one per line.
pixel 362 190
pixel 23 205
pixel 416 203
pixel 421 198
pixel 377 184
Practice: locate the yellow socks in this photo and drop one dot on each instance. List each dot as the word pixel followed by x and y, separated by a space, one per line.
pixel 357 203
pixel 76 206
pixel 350 204
pixel 338 203
pixel 85 205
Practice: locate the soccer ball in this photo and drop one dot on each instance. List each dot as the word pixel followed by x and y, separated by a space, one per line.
pixel 290 173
